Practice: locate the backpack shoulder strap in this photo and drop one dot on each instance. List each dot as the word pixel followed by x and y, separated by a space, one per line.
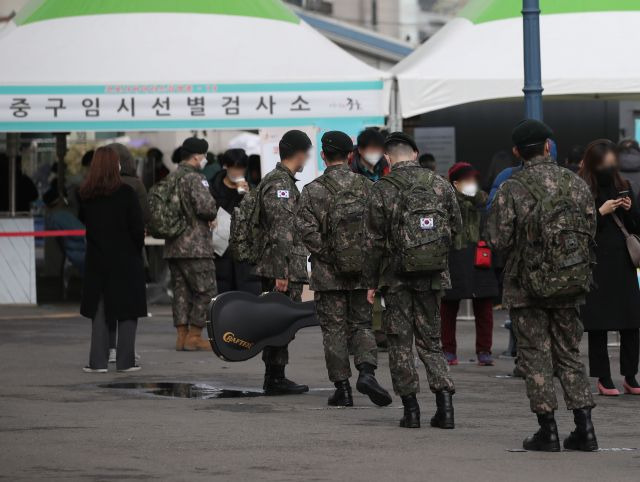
pixel 396 180
pixel 329 184
pixel 531 187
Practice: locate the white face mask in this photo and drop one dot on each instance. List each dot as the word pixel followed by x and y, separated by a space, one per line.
pixel 203 162
pixel 237 179
pixel 469 189
pixel 372 158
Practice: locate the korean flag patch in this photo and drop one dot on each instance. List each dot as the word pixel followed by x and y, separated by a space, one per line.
pixel 426 223
pixel 283 194
pixel 205 183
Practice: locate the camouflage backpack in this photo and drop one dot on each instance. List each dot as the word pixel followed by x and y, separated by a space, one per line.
pixel 167 214
pixel 342 228
pixel 247 239
pixel 554 242
pixel 420 232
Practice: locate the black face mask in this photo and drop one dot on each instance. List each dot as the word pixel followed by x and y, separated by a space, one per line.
pixel 605 176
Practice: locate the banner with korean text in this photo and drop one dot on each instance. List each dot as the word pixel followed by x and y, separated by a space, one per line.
pixel 186 106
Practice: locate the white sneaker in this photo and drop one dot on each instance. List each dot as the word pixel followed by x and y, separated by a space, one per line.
pixel 134 368
pixel 88 369
pixel 112 355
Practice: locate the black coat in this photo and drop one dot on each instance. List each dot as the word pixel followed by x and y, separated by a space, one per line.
pixel 614 303
pixel 467 281
pixel 231 275
pixel 113 265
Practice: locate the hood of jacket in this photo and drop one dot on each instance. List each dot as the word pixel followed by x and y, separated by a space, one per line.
pixel 630 161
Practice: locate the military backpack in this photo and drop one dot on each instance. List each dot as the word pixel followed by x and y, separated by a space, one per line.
pixel 343 227
pixel 247 239
pixel 168 218
pixel 420 233
pixel 554 243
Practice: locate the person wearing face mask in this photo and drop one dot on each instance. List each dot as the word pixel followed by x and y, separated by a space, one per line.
pixel 228 188
pixel 614 303
pixel 468 281
pixel 190 254
pixel 368 158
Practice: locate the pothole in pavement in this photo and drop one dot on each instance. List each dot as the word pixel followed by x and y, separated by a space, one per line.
pixel 200 391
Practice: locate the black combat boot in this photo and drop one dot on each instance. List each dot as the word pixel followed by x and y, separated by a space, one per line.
pixel 546 439
pixel 342 396
pixel 275 383
pixel 369 386
pixel 444 413
pixel 584 436
pixel 411 418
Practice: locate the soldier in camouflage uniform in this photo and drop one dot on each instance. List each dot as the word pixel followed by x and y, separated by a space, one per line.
pixel 341 299
pixel 283 263
pixel 412 303
pixel 548 331
pixel 190 255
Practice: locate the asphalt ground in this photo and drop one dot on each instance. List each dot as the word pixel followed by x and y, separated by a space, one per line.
pixel 58 423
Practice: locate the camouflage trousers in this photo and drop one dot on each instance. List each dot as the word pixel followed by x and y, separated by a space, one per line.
pixel 548 345
pixel 345 316
pixel 279 355
pixel 193 281
pixel 410 313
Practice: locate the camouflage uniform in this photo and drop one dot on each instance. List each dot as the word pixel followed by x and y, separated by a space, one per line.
pixel 190 255
pixel 412 304
pixel 284 256
pixel 548 331
pixel 341 303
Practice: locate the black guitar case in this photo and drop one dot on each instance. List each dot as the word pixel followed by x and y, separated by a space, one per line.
pixel 240 324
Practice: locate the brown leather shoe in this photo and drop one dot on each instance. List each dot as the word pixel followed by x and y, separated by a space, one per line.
pixel 194 341
pixel 182 336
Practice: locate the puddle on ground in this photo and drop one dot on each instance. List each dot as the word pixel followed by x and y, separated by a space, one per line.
pixel 199 391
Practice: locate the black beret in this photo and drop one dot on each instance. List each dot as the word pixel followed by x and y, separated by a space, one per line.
pixel 194 145
pixel 337 141
pixel 400 138
pixel 530 132
pixel 296 140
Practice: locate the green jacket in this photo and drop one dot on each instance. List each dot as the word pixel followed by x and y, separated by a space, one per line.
pixel 472 211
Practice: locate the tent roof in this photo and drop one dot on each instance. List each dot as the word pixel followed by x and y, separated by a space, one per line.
pixel 39 10
pixel 160 41
pixel 479 55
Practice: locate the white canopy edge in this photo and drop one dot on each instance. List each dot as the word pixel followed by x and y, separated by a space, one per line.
pixel 172 48
pixel 582 54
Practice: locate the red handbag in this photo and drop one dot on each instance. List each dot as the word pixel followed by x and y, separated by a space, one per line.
pixel 483 256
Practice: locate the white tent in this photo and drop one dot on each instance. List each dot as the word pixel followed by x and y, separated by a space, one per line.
pixel 479 55
pixel 167 64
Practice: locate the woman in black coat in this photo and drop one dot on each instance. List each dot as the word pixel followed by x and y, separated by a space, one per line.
pixel 228 187
pixel 614 303
pixel 114 283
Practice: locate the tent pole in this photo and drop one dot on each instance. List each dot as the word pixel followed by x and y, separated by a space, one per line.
pixel 395 117
pixel 532 66
pixel 61 151
pixel 12 153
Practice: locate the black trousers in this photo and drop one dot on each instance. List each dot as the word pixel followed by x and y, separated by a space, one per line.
pixel 599 355
pixel 99 354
